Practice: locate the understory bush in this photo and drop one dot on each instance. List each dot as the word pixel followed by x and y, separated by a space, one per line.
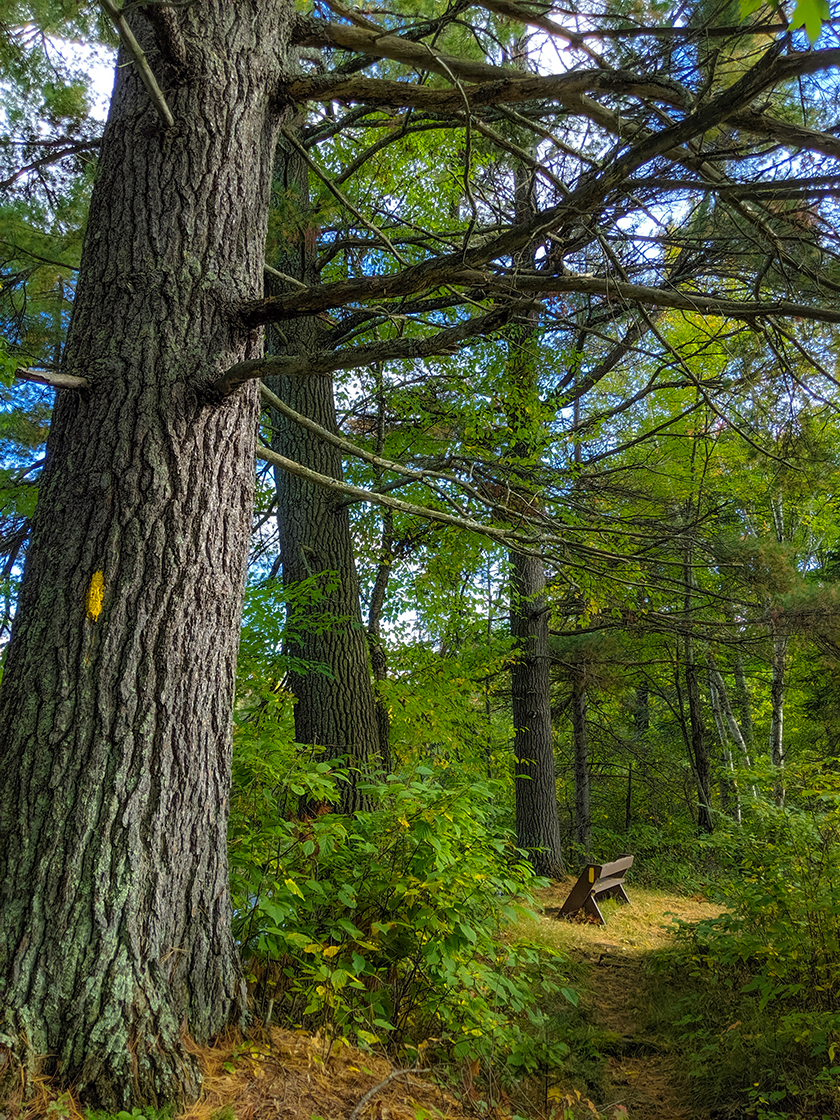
pixel 389 927
pixel 762 1027
pixel 668 856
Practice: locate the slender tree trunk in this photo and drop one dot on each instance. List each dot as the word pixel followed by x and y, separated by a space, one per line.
pixel 537 820
pixel 115 711
pixel 641 711
pixel 378 656
pixel 729 800
pixel 583 811
pixel 335 709
pixel 732 723
pixel 699 746
pixel 777 710
pixel 698 735
pixel 742 694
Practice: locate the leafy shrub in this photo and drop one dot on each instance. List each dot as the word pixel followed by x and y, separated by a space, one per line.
pixel 764 1026
pixel 388 926
pixel 668 856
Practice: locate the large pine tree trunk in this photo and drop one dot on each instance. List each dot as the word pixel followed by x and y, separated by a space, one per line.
pixel 116 702
pixel 537 820
pixel 336 707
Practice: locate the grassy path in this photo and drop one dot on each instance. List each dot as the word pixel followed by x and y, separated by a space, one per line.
pixel 621 993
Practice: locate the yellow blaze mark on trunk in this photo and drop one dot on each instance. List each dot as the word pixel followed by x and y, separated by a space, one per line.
pixel 95 595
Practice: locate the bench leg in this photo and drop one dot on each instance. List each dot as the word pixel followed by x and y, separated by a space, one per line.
pixel 590 908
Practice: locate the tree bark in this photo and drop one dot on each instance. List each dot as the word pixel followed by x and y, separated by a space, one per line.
pixel 730 802
pixel 742 693
pixel 699 746
pixel 378 656
pixel 115 710
pixel 537 819
pixel 336 706
pixel 583 811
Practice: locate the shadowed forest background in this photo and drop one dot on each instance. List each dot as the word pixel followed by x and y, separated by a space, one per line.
pixel 529 317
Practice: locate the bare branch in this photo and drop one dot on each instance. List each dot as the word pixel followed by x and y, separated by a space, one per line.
pixel 133 48
pixel 322 297
pixel 52 378
pixel 408 474
pixel 392 1076
pixel 311 32
pixel 446 341
pixel 515 88
pixel 500 536
pixel 69 149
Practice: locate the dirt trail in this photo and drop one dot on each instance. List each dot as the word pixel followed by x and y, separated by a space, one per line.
pixel 644 1071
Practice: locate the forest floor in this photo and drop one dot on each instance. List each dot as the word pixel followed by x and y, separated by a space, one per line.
pixel 621 974
pixel 295 1076
pixel 634 1072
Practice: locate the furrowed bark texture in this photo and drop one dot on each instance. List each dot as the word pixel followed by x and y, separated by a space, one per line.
pixel 335 709
pixel 115 710
pixel 537 820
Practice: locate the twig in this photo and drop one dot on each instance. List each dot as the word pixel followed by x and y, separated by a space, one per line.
pixel 341 197
pixel 354 1115
pixel 284 277
pixel 138 54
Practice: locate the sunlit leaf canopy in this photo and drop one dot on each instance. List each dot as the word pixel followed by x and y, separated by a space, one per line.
pixel 680 260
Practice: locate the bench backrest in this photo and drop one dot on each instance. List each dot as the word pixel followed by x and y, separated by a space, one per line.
pixel 585 889
pixel 614 870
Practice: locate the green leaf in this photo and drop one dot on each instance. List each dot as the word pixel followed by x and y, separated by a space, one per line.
pixel 810 14
pixel 571 995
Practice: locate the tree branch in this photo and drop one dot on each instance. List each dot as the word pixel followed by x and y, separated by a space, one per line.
pixel 523 542
pixel 392 1076
pixel 69 149
pixel 323 297
pixel 52 378
pixel 456 268
pixel 309 32
pixel 133 48
pixel 408 474
pixel 328 361
pixel 564 89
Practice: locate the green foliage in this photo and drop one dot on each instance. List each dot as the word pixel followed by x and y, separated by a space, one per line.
pixel 762 1026
pixel 272 616
pixel 668 855
pixel 442 706
pixel 389 926
pixel 147 1113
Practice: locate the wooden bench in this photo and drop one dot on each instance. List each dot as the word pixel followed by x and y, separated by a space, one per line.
pixel 598 880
